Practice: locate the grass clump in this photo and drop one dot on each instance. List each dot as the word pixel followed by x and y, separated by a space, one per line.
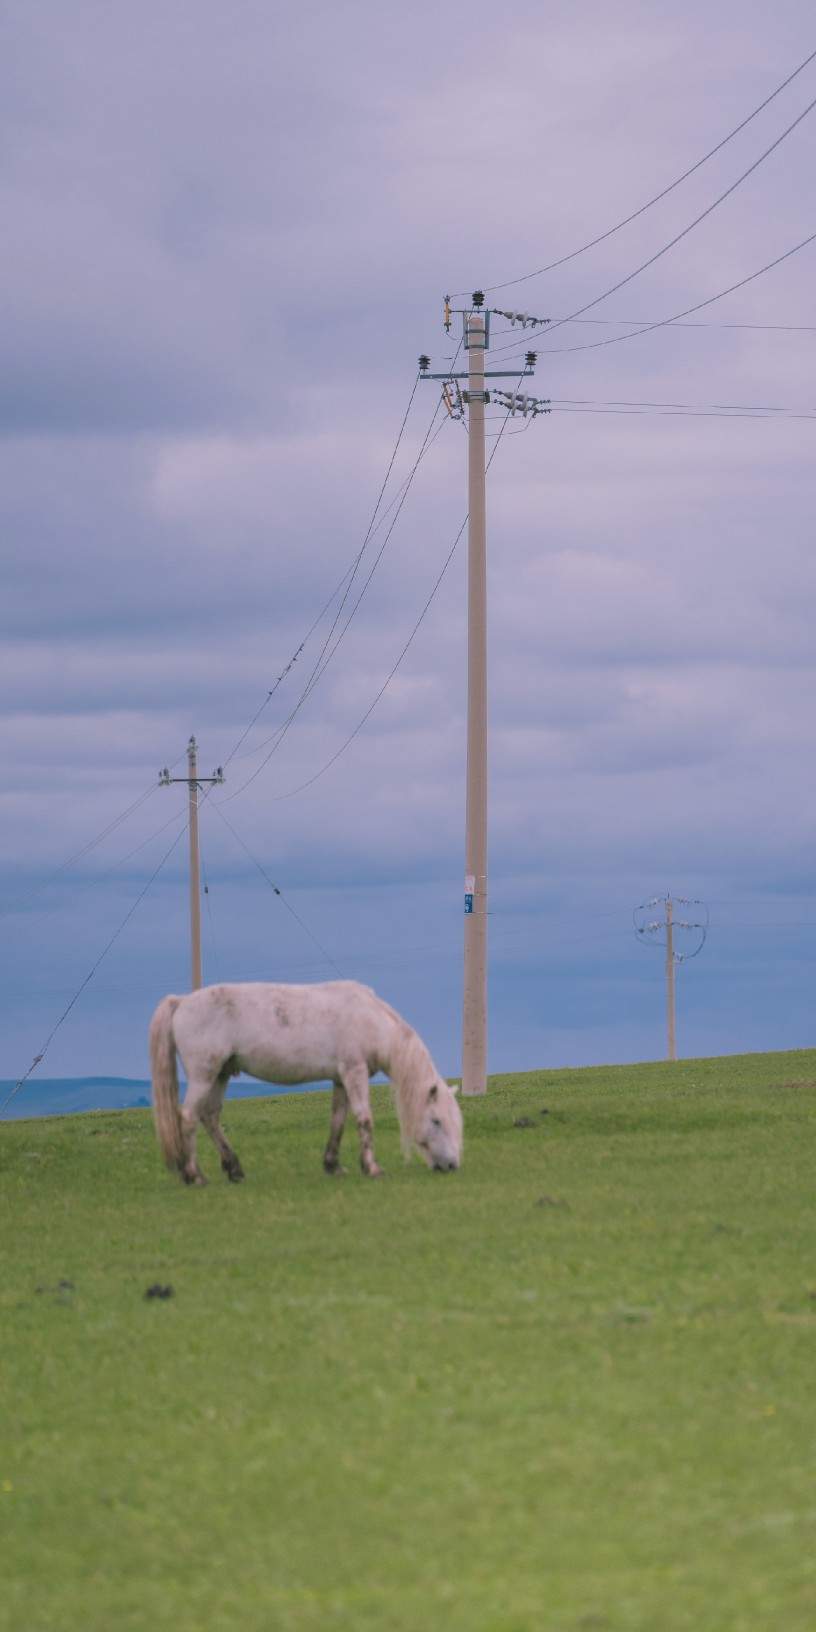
pixel 570 1387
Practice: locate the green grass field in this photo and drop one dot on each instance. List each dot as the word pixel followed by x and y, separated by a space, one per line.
pixel 571 1387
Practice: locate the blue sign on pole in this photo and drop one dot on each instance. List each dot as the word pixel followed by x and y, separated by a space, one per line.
pixel 469 902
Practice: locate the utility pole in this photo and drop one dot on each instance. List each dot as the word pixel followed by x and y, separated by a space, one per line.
pixel 668 925
pixel 476 337
pixel 670 978
pixel 194 782
pixel 474 1004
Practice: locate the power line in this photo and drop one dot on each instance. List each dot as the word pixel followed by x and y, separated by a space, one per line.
pixel 100 878
pixel 686 230
pixel 209 914
pixel 281 729
pixel 658 196
pixel 644 324
pixel 667 322
pixel 636 322
pixel 726 409
pixel 278 892
pixel 52 1034
pixel 26 895
pixel 276 798
pixel 348 575
pixel 321 665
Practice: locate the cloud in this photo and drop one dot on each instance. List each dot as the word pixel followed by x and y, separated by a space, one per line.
pixel 229 234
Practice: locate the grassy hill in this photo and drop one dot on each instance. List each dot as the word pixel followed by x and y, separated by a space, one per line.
pixel 570 1387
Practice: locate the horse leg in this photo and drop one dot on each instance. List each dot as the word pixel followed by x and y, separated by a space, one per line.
pixel 211 1119
pixel 355 1082
pixel 339 1109
pixel 195 1099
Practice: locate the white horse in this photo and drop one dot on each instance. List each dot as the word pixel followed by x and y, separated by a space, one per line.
pixel 292 1034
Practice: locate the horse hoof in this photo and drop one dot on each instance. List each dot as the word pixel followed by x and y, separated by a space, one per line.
pixel 376 1173
pixel 194 1178
pixel 335 1172
pixel 234 1171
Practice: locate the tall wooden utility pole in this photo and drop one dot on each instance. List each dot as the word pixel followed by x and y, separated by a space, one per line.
pixel 474 1006
pixel 194 781
pixel 670 978
pixel 476 339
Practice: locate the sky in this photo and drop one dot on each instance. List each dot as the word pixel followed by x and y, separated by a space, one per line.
pixel 229 229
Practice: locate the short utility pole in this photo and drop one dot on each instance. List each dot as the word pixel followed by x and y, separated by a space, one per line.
pixel 656 928
pixel 670 979
pixel 194 782
pixel 476 339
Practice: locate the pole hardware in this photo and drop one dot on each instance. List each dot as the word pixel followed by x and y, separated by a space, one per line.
pixel 476 339
pixel 520 317
pixel 517 402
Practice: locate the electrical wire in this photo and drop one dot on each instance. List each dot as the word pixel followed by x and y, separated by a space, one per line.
pixel 276 798
pixel 637 322
pixel 26 895
pixel 321 664
pixel 666 322
pixel 511 282
pixel 348 575
pixel 401 492
pixel 644 324
pixel 209 911
pixel 686 230
pixel 278 892
pixel 128 915
pixel 730 409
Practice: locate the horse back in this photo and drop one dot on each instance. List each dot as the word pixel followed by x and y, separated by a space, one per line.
pixel 283 1033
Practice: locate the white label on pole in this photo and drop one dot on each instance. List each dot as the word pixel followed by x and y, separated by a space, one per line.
pixel 470 883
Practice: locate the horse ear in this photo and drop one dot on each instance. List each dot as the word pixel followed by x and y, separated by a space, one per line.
pixel 433 1091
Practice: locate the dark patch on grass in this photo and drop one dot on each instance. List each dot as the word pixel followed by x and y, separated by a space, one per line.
pixel 159 1291
pixel 628 1314
pixel 523 1122
pixel 550 1201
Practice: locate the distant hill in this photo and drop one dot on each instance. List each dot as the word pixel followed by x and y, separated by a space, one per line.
pixel 67 1096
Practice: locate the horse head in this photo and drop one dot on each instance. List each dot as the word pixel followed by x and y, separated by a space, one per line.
pixel 439 1134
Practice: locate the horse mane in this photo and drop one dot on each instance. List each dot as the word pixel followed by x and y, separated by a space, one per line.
pixel 412 1073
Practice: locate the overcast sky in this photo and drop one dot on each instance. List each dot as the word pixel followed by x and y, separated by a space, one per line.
pixel 228 230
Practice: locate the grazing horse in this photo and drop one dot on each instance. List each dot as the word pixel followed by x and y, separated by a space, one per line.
pixel 292 1034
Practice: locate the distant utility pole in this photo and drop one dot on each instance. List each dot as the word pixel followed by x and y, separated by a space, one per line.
pixel 476 339
pixel 672 1030
pixel 194 782
pixel 657 927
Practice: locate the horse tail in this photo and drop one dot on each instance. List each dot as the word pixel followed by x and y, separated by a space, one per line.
pixel 166 1114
